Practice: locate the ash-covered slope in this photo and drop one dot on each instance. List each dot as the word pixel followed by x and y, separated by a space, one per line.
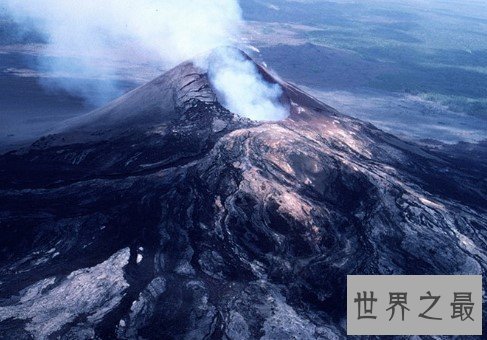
pixel 164 215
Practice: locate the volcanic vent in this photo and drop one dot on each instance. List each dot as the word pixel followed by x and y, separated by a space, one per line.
pixel 245 88
pixel 164 215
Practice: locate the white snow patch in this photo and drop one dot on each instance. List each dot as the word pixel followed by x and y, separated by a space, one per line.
pixel 253 48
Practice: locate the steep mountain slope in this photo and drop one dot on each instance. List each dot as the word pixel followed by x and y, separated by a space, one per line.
pixel 164 215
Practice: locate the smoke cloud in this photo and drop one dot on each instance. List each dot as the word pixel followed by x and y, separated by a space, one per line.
pixel 84 35
pixel 242 89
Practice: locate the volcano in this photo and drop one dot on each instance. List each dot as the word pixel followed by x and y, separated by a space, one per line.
pixel 163 215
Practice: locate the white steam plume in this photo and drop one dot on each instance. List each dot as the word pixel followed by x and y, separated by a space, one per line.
pixel 242 89
pixel 83 35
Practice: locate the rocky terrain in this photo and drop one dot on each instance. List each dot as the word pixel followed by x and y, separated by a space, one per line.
pixel 165 216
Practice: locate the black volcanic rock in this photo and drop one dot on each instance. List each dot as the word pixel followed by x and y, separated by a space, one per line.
pixel 164 215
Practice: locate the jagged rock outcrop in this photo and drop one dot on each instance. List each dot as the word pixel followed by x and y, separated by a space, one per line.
pixel 164 215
